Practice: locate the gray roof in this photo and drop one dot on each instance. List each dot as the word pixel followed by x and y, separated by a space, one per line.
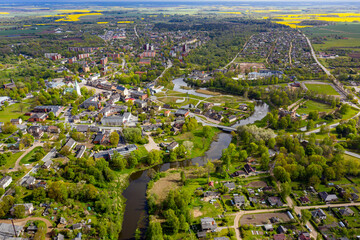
pixel 208 223
pixel 7 230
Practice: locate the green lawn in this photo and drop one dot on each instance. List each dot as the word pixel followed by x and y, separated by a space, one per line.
pixel 310 106
pixel 29 157
pixel 11 161
pixel 322 89
pixel 13 111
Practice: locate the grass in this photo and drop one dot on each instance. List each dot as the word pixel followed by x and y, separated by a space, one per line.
pixel 322 88
pixel 348 157
pixel 201 144
pixel 13 111
pixel 30 156
pixel 11 161
pixel 314 106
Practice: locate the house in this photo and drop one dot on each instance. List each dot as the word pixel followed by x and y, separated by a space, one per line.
pixel 8 231
pixel 138 95
pixel 38 117
pixel 172 146
pixel 304 236
pixel 92 101
pixel 279 236
pixel 346 212
pixel 239 201
pixel 304 200
pixel 29 208
pixel 354 196
pixel 182 113
pixel 232 118
pixel 123 91
pixel 249 169
pixel 36 131
pixel 207 106
pixel 76 226
pixel 47 164
pixel 268 227
pixel 70 143
pixel 16 121
pixel 318 213
pixel 116 120
pixel 243 107
pixel 275 201
pixel 328 197
pixel 167 113
pixel 81 152
pixel 208 224
pixel 100 138
pixel 230 185
pixel 28 181
pixel 211 195
pixel 221 238
pixel 53 129
pixel 49 108
pixel 139 103
pixel 5 182
pixel 281 229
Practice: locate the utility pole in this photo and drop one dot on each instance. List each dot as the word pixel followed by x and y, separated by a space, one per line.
pixel 12 221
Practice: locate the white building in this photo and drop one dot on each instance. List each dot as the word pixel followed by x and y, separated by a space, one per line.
pixel 116 120
pixel 5 182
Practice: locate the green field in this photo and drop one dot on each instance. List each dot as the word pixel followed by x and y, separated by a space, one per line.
pixel 310 106
pixel 11 161
pixel 322 88
pixel 13 111
pixel 29 157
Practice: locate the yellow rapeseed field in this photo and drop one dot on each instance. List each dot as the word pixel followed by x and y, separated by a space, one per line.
pixel 292 20
pixel 72 11
pixel 231 12
pixel 126 21
pixel 4 13
pixel 102 22
pixel 74 17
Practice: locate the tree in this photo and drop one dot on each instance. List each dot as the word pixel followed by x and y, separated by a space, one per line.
pixel 183 177
pixel 305 216
pixel 91 108
pixel 117 161
pixel 51 116
pixel 19 211
pixel 8 128
pixel 243 155
pixel 154 231
pixel 271 143
pixel 154 157
pixel 206 131
pixel 265 160
pixel 27 140
pixel 184 226
pixel 58 191
pixel 285 190
pixel 114 138
pixel 39 194
pixel 281 174
pixel 172 221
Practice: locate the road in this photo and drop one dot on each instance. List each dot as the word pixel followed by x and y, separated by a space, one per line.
pixel 315 58
pixel 22 222
pixel 352 154
pixel 136 33
pixel 17 163
pixel 297 210
pixel 232 61
pixel 169 65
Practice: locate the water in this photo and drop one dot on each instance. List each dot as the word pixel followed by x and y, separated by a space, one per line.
pixel 136 207
pixel 260 112
pixel 179 82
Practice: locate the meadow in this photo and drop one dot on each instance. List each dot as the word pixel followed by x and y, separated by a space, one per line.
pixel 322 88
pixel 311 106
pixel 13 111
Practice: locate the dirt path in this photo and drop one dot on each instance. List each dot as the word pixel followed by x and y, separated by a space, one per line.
pixel 17 163
pixel 22 222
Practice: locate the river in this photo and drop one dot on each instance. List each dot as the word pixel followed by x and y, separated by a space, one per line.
pixel 136 206
pixel 136 214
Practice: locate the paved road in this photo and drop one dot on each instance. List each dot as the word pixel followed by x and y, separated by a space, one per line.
pixel 352 154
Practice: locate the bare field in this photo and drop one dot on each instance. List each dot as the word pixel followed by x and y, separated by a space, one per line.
pixel 257 184
pixel 263 218
pixel 162 187
pixel 248 66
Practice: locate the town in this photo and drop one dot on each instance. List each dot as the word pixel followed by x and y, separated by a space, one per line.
pixel 125 124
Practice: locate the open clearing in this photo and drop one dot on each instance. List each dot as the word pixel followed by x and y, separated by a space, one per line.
pixel 13 111
pixel 162 187
pixel 250 66
pixel 322 88
pixel 257 184
pixel 263 218
pixel 207 92
pixel 311 106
